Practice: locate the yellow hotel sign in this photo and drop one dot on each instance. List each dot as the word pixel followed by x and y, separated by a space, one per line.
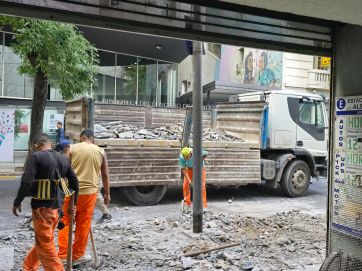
pixel 325 61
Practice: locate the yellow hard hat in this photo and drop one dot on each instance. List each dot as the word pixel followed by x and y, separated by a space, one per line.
pixel 186 151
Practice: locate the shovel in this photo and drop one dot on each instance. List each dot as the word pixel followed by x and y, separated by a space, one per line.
pixel 70 235
pixel 94 248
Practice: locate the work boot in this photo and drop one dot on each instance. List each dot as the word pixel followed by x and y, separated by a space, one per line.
pixel 185 209
pixel 105 217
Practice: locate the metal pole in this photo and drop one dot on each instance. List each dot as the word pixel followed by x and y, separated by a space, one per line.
pixel 90 108
pixel 197 137
pixel 3 66
pixel 91 85
pixel 157 83
pixel 70 235
pixel 115 77
pixel 137 83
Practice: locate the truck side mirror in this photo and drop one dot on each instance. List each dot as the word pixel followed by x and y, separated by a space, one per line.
pixel 321 129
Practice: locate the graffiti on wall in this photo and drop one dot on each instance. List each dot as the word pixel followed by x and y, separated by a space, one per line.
pixel 7 117
pixel 251 66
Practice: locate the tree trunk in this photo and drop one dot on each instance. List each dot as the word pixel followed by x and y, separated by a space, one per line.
pixel 38 108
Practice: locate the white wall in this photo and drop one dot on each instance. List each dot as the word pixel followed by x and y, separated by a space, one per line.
pixel 295 70
pixel 209 62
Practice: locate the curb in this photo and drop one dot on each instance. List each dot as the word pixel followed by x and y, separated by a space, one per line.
pixel 9 175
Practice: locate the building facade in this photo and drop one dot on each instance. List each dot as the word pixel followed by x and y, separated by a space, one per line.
pixel 255 67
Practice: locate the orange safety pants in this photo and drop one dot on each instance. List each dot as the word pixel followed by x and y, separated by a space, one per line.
pixel 186 187
pixel 83 220
pixel 45 221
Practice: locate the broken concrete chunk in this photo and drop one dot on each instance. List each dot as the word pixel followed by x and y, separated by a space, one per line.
pixel 247 265
pixel 170 132
pixel 126 135
pixel 99 128
pixel 187 262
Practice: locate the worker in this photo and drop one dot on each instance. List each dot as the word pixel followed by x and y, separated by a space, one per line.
pixel 64 144
pixel 186 162
pixel 88 161
pixel 40 172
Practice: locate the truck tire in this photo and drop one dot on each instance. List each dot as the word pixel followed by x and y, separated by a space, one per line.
pixel 144 195
pixel 296 178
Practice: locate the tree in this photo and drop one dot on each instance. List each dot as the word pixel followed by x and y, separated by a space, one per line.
pixel 52 51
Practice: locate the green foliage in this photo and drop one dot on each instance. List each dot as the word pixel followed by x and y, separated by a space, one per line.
pixel 58 50
pixel 19 115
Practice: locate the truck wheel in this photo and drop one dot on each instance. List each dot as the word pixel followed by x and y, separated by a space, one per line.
pixel 145 195
pixel 296 179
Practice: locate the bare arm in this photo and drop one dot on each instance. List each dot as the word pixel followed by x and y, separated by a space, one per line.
pixel 185 175
pixel 105 179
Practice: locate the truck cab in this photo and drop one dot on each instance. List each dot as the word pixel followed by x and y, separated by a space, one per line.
pixel 293 138
pixel 297 121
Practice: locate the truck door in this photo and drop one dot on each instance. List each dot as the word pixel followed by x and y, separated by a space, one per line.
pixel 312 126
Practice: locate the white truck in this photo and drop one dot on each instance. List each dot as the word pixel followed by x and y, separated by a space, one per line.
pixel 284 133
pixel 293 138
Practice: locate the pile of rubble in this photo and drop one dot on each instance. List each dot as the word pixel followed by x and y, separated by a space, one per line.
pixel 285 241
pixel 170 132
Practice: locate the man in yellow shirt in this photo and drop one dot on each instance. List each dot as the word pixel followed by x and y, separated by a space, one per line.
pixel 88 161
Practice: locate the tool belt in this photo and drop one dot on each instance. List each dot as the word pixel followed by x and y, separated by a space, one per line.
pixel 46 189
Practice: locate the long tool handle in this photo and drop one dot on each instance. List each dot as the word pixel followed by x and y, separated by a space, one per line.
pixel 96 261
pixel 70 235
pixel 195 253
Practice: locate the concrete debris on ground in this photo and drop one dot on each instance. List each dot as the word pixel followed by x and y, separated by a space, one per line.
pixel 286 241
pixel 171 132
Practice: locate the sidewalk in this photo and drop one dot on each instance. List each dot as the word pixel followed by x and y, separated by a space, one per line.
pixel 10 173
pixel 9 170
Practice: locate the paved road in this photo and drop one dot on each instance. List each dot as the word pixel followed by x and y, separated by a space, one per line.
pixel 251 200
pixel 8 190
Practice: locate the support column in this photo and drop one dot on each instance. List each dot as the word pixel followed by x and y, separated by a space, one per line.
pixel 344 228
pixel 197 137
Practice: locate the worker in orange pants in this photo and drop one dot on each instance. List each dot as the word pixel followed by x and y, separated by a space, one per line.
pixel 186 165
pixel 83 221
pixel 41 180
pixel 45 221
pixel 186 187
pixel 89 162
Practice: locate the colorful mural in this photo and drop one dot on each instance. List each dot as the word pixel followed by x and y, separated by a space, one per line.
pixel 251 66
pixel 7 117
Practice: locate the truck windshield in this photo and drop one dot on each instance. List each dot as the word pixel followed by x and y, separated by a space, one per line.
pixel 311 112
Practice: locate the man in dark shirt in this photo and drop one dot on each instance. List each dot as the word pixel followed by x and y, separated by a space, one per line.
pixel 59 137
pixel 43 166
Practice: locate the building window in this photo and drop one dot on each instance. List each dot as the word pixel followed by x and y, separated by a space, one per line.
pixel 215 49
pixel 311 113
pixel 119 77
pixel 184 87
